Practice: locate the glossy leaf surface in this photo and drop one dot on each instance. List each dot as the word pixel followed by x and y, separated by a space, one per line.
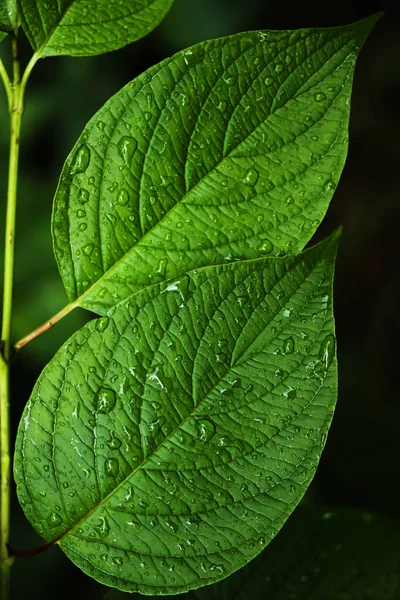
pixel 166 445
pixel 231 149
pixel 88 27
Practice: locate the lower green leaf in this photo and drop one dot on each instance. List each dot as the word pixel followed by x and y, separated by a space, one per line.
pixel 165 446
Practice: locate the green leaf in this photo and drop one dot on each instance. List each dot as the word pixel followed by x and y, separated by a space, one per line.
pixel 335 554
pixel 88 27
pixel 165 445
pixel 231 149
pixel 8 17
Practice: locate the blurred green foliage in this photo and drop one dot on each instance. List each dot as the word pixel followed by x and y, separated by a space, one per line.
pixel 359 465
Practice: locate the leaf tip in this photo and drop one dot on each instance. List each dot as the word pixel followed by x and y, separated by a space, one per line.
pixel 365 26
pixel 329 246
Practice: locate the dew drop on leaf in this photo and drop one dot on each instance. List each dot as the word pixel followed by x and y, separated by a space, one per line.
pixel 266 247
pixel 268 81
pixel 88 249
pixel 81 160
pixel 162 267
pixel 127 148
pixel 288 346
pixel 106 401
pixel 102 527
pixel 222 105
pixel 206 430
pixel 83 196
pixel 123 197
pixel 54 520
pixel 319 96
pixel 114 442
pixel 102 324
pixel 327 351
pixel 111 467
pixel 251 177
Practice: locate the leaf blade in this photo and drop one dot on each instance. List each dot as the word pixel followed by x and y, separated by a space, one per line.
pixel 161 458
pixel 85 28
pixel 124 217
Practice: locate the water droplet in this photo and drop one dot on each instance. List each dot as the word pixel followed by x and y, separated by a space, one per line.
pixel 329 186
pixel 162 267
pixel 291 394
pixel 222 105
pixel 279 68
pixel 123 197
pixel 82 227
pixel 114 442
pixel 230 79
pixel 102 527
pixel 266 247
pixel 106 401
pixel 185 99
pixel 102 324
pixel 251 177
pixel 288 346
pixel 319 96
pixel 88 249
pixel 221 357
pixel 268 81
pixel 80 214
pixel 81 160
pixel 327 351
pixel 83 196
pixel 127 148
pixel 111 467
pixel 206 430
pixel 54 520
pixel 112 218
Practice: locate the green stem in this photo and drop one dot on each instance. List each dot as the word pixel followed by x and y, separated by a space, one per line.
pixel 45 327
pixel 6 82
pixel 17 90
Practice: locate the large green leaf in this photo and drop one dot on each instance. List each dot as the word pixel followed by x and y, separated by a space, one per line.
pixel 165 445
pixel 88 27
pixel 320 554
pixel 229 150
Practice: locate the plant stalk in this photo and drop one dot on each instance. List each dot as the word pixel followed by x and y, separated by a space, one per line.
pixel 15 91
pixel 45 327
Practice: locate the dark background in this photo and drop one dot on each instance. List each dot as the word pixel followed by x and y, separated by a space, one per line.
pixel 359 466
